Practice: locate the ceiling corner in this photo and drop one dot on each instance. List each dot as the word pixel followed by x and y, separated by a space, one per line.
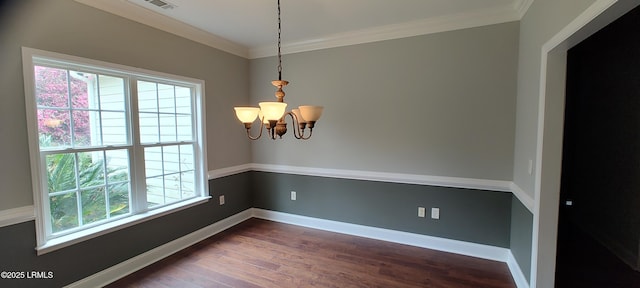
pixel 521 6
pixel 147 17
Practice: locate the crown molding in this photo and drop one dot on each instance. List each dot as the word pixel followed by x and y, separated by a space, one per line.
pixel 476 18
pixel 423 27
pixel 147 17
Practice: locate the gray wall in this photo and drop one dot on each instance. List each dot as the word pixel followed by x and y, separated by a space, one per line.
pixel 84 259
pixel 543 20
pixel 521 229
pixel 468 215
pixel 98 35
pixel 440 104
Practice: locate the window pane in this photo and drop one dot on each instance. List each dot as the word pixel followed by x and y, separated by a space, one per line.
pixel 153 161
pixel 184 128
pixel 183 100
pixel 188 185
pixel 51 87
pixel 86 128
pixel 64 211
pixel 166 99
pixel 117 165
pixel 168 128
pixel 54 129
pixel 149 129
pixel 91 167
pixel 118 199
pixel 61 172
pixel 186 158
pixel 172 188
pixel 93 205
pixel 171 159
pixel 147 97
pixel 83 90
pixel 155 191
pixel 112 93
pixel 114 128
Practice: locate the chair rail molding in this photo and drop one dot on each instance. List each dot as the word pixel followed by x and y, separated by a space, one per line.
pixel 17 215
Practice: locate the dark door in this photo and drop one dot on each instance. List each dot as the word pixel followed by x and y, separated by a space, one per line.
pixel 599 224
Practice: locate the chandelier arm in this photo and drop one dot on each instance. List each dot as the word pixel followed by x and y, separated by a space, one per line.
pixel 296 126
pixel 299 128
pixel 248 127
pixel 307 138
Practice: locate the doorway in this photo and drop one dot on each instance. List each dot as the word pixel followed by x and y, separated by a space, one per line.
pixel 599 215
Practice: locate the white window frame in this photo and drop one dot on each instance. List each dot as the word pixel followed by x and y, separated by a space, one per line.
pixel 138 213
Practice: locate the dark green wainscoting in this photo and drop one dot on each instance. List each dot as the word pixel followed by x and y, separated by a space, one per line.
pixel 476 216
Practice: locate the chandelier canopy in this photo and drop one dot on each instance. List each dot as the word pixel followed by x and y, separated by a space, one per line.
pixel 272 114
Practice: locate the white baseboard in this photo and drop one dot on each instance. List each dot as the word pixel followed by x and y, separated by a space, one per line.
pixel 125 268
pixel 516 272
pixel 418 240
pixel 136 263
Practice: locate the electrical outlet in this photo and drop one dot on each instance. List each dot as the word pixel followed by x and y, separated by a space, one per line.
pixel 435 213
pixel 293 195
pixel 421 211
pixel 221 198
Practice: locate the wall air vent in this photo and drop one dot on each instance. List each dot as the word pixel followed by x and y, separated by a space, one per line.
pixel 162 4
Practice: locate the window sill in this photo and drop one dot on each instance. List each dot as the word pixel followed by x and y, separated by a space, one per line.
pixel 74 238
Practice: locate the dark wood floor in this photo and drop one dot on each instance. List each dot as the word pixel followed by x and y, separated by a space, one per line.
pixel 260 253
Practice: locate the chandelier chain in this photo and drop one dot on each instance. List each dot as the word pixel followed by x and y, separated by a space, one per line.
pixel 279 44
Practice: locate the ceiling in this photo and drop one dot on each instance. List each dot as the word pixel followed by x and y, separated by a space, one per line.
pixel 248 28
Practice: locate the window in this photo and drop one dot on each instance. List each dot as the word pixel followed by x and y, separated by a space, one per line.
pixel 109 145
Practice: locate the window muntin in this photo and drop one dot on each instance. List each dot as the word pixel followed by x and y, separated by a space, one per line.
pixel 105 150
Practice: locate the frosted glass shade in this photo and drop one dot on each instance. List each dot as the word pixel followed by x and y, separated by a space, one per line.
pixel 264 120
pixel 299 116
pixel 272 110
pixel 247 114
pixel 311 113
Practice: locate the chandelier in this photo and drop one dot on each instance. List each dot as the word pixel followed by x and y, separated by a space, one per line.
pixel 272 114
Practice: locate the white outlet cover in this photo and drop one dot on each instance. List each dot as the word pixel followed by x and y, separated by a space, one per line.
pixel 221 198
pixel 293 195
pixel 435 213
pixel 421 212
